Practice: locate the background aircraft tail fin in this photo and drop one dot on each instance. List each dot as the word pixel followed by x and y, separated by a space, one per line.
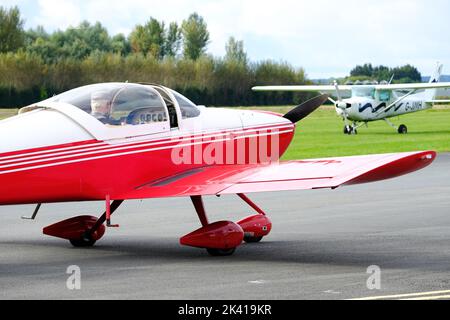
pixel 435 78
pixel 437 74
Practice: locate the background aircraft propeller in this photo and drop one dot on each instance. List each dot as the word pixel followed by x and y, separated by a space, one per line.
pixel 340 104
pixel 305 109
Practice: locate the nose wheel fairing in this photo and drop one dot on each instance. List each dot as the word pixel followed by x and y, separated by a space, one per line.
pixel 74 229
pixel 84 231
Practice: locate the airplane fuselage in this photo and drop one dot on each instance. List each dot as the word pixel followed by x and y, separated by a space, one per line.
pixel 363 109
pixel 61 160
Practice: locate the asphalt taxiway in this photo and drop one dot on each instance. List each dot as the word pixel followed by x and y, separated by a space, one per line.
pixel 321 247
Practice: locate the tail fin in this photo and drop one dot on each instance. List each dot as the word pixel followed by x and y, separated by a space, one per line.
pixel 436 77
pixel 437 74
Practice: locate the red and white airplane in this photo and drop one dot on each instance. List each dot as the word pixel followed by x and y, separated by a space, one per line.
pixel 113 142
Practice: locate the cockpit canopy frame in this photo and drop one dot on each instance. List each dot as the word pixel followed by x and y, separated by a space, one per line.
pixel 123 109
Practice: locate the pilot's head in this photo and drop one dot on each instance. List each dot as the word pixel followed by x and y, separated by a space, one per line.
pixel 101 104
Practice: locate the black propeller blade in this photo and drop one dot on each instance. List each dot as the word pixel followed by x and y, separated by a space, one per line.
pixel 305 109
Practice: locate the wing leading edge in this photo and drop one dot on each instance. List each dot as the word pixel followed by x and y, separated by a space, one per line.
pixel 328 88
pixel 291 175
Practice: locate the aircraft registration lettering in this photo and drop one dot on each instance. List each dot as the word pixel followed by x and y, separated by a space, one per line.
pixel 152 117
pixel 414 106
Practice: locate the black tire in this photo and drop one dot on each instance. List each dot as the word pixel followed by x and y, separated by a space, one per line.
pixel 221 252
pixel 347 129
pixel 83 242
pixel 253 239
pixel 403 129
pixel 353 131
pixel 350 130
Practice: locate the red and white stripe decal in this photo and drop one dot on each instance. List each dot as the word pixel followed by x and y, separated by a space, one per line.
pixel 58 155
pixel 50 149
pixel 97 145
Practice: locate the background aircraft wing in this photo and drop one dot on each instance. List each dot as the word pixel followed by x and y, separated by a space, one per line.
pixel 413 86
pixel 291 175
pixel 318 88
pixel 326 88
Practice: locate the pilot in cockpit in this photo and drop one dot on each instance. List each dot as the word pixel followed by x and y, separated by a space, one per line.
pixel 101 106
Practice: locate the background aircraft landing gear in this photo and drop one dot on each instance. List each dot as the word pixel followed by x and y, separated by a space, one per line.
pixel 347 129
pixel 350 130
pixel 403 129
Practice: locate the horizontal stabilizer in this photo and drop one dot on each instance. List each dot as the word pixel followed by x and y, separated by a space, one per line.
pixel 438 101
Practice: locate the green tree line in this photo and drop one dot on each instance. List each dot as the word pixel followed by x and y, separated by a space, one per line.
pixel 403 74
pixel 35 64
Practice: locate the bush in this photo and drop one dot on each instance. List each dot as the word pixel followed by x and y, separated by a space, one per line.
pixel 25 78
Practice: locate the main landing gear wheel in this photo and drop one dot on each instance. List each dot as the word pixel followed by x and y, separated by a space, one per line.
pixel 252 239
pixel 221 252
pixel 403 129
pixel 350 130
pixel 85 242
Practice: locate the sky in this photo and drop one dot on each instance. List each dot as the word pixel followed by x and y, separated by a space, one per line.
pixel 327 38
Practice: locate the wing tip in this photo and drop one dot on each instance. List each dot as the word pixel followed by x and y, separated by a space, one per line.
pixel 396 168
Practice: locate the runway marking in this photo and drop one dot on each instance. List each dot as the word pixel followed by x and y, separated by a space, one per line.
pixel 258 282
pixel 410 295
pixel 332 292
pixel 431 298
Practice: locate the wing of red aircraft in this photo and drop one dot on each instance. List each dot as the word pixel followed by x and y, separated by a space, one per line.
pixel 291 175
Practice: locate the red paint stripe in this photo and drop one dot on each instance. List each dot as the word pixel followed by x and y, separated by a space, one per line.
pixel 102 153
pixel 45 152
pixel 110 151
pixel 81 144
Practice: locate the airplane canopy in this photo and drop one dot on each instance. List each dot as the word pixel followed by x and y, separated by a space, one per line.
pixel 117 103
pixel 121 104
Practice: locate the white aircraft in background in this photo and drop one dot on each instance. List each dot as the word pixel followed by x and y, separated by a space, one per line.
pixel 376 102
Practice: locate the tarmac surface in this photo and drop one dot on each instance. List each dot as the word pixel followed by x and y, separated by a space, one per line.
pixel 321 247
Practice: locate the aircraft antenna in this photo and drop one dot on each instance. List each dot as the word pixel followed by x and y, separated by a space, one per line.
pixel 392 79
